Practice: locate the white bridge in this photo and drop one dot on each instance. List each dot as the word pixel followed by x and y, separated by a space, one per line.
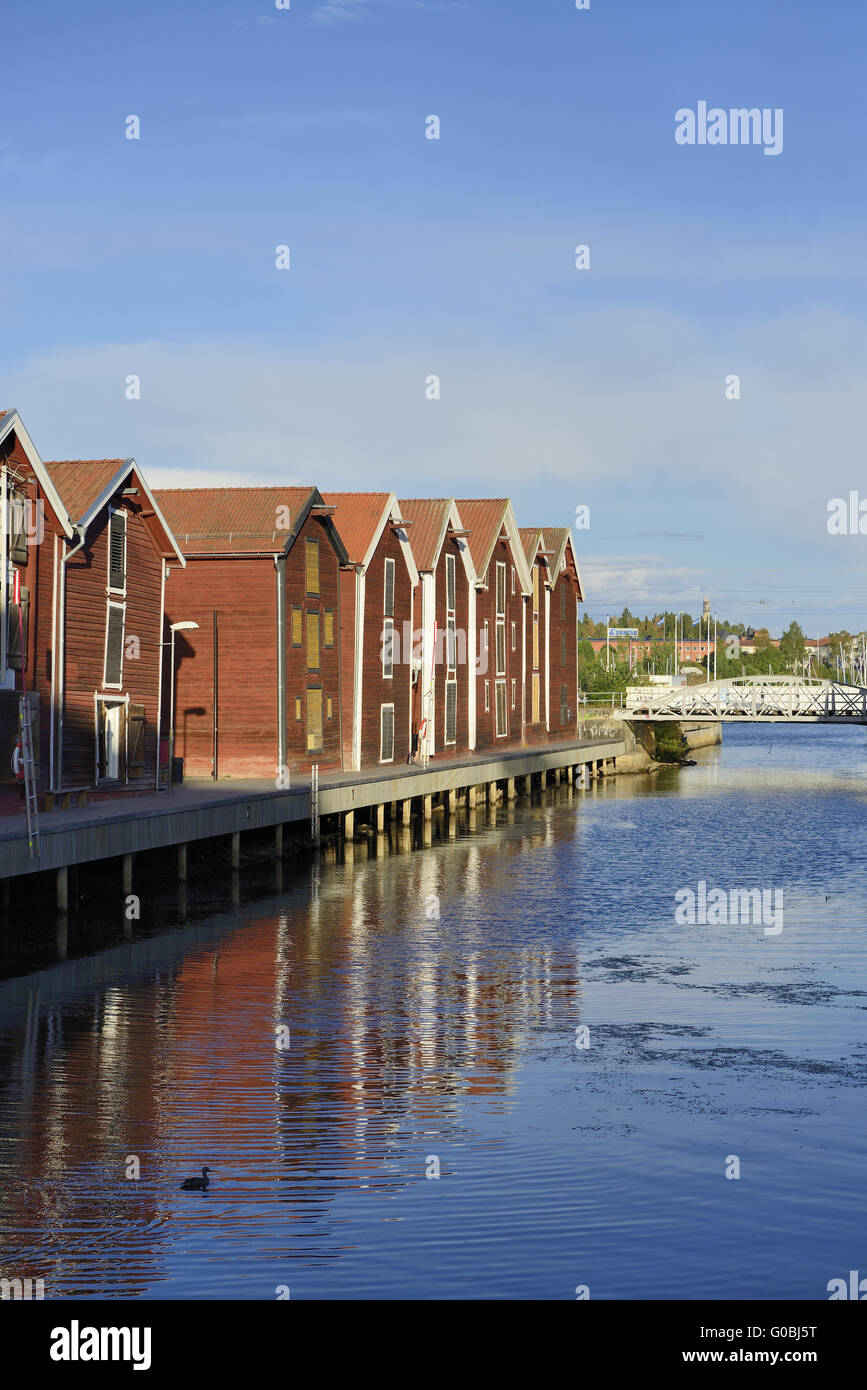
pixel 748 699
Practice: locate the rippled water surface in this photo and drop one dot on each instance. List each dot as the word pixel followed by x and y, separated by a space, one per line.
pixel 432 1000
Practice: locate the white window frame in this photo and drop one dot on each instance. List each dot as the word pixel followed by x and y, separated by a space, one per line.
pixel 451 583
pixel 388 561
pixel 106 684
pixel 451 683
pixel 501 685
pixel 388 645
pixel 382 710
pixel 487 697
pixel 112 512
pixel 514 692
pixel 514 636
pixel 501 613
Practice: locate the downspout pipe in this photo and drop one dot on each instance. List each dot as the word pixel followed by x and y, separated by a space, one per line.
pixel 280 567
pixel 61 653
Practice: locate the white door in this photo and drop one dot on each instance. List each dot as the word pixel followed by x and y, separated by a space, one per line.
pixel 112 740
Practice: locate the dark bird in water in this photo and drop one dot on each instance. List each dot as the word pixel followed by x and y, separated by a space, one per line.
pixel 196 1184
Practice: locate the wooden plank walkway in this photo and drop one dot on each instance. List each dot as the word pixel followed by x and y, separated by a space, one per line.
pixel 204 809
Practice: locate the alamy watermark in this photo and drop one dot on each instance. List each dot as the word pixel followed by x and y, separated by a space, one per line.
pixel 735 126
pixel 714 907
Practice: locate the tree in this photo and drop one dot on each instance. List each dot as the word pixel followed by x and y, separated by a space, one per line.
pixel 792 645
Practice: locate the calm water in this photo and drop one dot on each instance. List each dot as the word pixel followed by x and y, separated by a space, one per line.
pixel 415 1038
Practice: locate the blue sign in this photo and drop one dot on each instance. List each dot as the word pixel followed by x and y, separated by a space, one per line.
pixel 623 632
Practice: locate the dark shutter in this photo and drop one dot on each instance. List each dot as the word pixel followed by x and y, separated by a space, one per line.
pixel 15 629
pixel 388 607
pixel 450 583
pixel 135 739
pixel 387 734
pixel 18 528
pixel 117 550
pixel 451 711
pixel 314 719
pixel 564 704
pixel 114 646
pixel 562 649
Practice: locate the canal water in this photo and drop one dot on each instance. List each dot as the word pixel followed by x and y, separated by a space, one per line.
pixel 517 1009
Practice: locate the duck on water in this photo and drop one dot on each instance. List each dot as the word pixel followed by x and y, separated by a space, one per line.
pixel 196 1184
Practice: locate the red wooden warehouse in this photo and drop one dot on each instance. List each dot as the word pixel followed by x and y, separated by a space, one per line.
pixel 258 682
pixel 376 629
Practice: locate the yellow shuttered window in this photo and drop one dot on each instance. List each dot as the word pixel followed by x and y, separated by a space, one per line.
pixel 312 641
pixel 296 627
pixel 314 721
pixel 329 627
pixel 311 554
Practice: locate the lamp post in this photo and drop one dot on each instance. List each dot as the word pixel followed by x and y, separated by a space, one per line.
pixel 175 627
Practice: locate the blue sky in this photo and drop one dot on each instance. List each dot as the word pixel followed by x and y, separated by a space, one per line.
pixel 410 257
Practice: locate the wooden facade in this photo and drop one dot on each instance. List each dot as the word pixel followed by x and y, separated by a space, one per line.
pixel 258 682
pixel 445 627
pixel 377 605
pixel 90 563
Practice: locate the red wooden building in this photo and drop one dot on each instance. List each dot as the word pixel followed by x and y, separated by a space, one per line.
pixel 564 594
pixel 90 545
pixel 445 615
pixel 377 594
pixel 258 683
pixel 535 625
pixel 502 582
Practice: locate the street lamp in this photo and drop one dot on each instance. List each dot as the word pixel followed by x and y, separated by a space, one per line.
pixel 175 627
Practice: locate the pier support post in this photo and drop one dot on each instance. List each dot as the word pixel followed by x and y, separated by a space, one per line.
pixel 126 873
pixel 427 803
pixel 380 818
pixel 182 862
pixel 452 802
pixel 471 798
pixel 63 890
pixel 556 776
pixel 510 789
pixel 348 825
pixel 406 813
pixel 236 849
pixel 278 840
pixel 492 793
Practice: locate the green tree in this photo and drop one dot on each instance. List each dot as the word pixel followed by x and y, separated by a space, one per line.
pixel 792 645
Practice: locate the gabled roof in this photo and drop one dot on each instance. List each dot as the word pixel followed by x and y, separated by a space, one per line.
pixel 86 486
pixel 533 541
pixel 361 518
pixel 429 517
pixel 11 423
pixel 241 520
pixel 485 519
pixel 561 551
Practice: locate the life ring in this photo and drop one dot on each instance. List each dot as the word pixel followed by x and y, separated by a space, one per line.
pixel 17 762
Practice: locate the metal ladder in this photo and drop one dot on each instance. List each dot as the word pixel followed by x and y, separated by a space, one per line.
pixel 29 776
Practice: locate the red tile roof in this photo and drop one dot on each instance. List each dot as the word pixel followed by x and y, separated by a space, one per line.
pixel 231 520
pixel 483 518
pixel 429 516
pixel 80 482
pixel 531 540
pixel 357 516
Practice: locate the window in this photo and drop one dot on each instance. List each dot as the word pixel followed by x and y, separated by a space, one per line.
pixel 386 734
pixel 451 645
pixel 502 722
pixel 535 641
pixel 387 649
pixel 501 649
pixel 534 717
pixel 451 729
pixel 330 708
pixel 18 529
pixel 564 704
pixel 513 581
pixel 311 567
pixel 388 598
pixel 298 708
pixel 117 552
pixel 114 623
pixel 487 696
pixel 514 637
pixel 501 590
pixel 296 627
pixel 328 619
pixel 450 583
pixel 17 627
pixel 535 588
pixel 312 641
pixel 562 649
pixel 514 692
pixel 314 719
pixel 485 646
pixel 562 601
